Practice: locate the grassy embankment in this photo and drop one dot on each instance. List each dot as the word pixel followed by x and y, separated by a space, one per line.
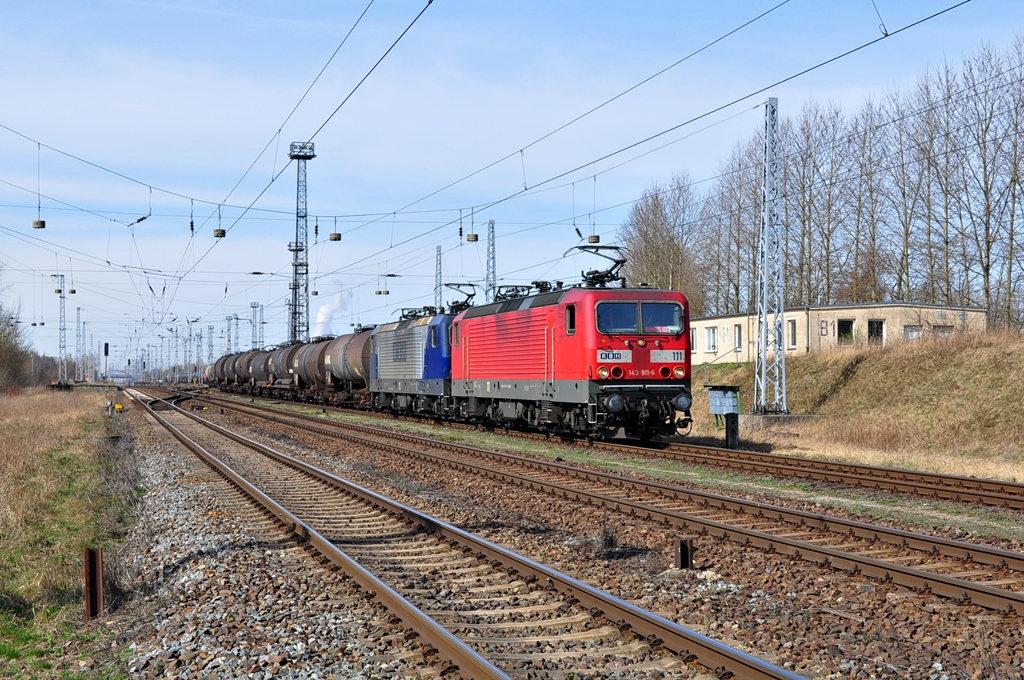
pixel 951 406
pixel 65 485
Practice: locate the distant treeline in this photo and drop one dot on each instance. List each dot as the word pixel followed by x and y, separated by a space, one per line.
pixel 917 197
pixel 19 365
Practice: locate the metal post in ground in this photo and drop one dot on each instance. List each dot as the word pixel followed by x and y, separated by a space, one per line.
pixel 93 583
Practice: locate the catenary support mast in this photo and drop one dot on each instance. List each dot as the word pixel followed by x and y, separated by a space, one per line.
pixel 770 365
pixel 62 366
pixel 298 330
pixel 491 284
pixel 437 281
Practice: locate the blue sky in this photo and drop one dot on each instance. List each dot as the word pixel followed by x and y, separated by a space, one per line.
pixel 183 97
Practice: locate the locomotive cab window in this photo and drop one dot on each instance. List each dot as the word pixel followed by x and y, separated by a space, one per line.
pixel 570 319
pixel 455 334
pixel 433 336
pixel 617 317
pixel 662 317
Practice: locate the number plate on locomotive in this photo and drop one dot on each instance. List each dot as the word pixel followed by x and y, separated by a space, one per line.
pixel 665 356
pixel 614 356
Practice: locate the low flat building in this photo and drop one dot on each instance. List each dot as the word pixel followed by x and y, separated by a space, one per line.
pixel 818 327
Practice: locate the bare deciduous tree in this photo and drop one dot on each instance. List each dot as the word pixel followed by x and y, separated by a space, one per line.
pixel 918 199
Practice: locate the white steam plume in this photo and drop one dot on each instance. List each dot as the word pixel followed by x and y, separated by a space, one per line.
pixel 338 303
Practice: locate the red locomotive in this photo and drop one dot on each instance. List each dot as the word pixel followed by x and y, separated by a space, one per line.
pixel 598 361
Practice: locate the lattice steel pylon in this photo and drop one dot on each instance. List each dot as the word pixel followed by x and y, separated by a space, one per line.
pixel 227 334
pixel 491 281
pixel 254 306
pixel 770 365
pixel 262 341
pixel 298 330
pixel 78 344
pixel 209 343
pixel 437 281
pixel 62 367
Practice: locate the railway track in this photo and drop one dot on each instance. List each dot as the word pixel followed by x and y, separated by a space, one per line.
pixel 487 612
pixel 961 571
pixel 990 492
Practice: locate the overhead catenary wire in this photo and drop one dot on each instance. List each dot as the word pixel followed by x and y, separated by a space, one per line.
pixel 590 111
pixel 689 121
pixel 540 189
pixel 318 130
pixel 173 193
pixel 916 112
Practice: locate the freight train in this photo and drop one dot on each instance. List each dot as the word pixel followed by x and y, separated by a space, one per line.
pixel 589 360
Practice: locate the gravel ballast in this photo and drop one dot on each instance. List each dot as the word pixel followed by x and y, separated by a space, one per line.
pixel 232 595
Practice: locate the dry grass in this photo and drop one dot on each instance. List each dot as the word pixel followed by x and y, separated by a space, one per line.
pixel 56 497
pixel 34 425
pixel 948 405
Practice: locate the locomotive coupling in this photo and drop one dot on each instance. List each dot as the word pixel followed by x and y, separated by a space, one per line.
pixel 683 402
pixel 614 403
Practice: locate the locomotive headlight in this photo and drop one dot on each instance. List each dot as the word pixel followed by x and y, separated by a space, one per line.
pixel 602 372
pixel 679 371
pixel 614 403
pixel 641 342
pixel 682 403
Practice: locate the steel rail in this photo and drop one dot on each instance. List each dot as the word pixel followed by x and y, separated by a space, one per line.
pixel 687 644
pixel 927 484
pixel 962 550
pixel 917 579
pixel 993 492
pixel 449 647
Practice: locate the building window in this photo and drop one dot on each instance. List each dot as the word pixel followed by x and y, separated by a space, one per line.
pixel 570 319
pixel 791 333
pixel 911 332
pixel 942 331
pixel 876 331
pixel 693 339
pixel 845 328
pixel 711 339
pixel 737 332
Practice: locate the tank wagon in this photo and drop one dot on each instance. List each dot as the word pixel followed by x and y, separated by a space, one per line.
pixel 330 371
